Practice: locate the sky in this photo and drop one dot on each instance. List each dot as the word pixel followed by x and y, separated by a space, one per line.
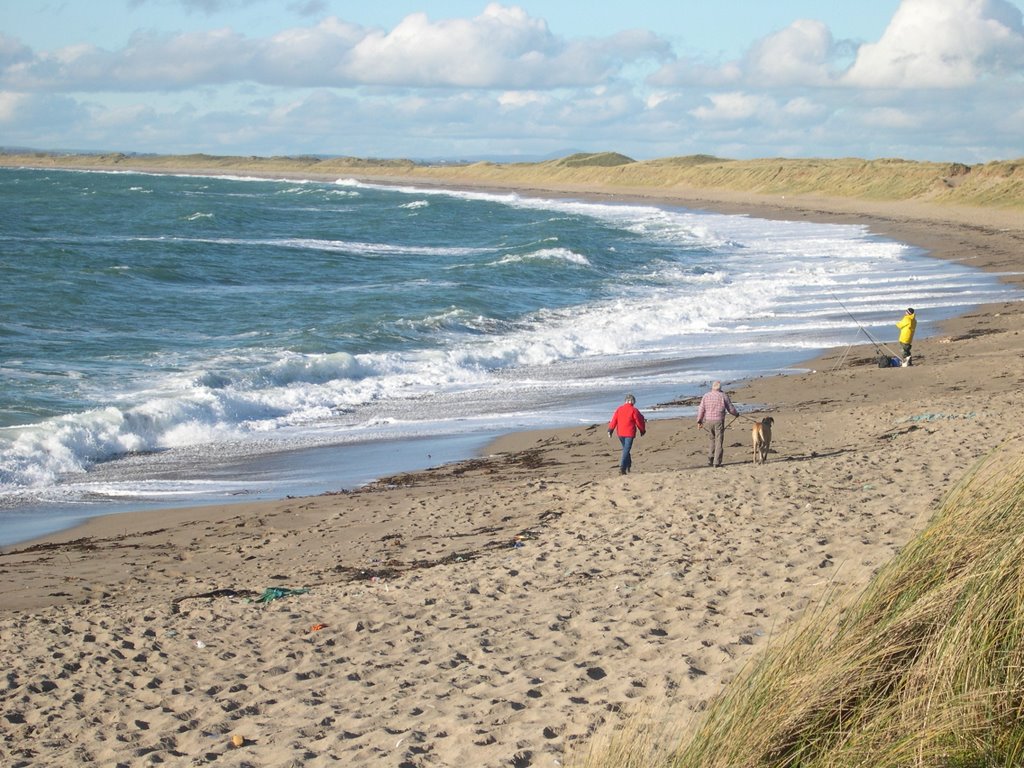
pixel 939 80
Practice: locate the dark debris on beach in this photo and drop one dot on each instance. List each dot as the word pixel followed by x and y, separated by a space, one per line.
pixel 532 458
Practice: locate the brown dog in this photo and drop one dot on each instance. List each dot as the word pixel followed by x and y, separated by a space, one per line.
pixel 761 436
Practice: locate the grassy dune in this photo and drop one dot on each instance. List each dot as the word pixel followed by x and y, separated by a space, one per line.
pixel 926 668
pixel 998 184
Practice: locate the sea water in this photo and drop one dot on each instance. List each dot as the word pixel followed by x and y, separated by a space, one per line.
pixel 171 339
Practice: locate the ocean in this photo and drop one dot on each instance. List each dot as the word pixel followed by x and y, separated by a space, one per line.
pixel 170 340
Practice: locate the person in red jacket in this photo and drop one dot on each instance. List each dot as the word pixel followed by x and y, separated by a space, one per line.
pixel 626 422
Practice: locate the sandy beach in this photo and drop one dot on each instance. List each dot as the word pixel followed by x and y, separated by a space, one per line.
pixel 505 609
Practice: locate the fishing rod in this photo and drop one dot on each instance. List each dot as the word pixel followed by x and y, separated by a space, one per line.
pixel 879 346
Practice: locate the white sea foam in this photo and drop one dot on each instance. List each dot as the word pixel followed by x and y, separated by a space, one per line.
pixel 244 399
pixel 748 288
pixel 547 254
pixel 315 244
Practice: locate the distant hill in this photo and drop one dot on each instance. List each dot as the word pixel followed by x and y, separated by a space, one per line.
pixel 998 184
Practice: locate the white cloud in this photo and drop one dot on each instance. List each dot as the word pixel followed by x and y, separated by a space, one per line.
pixel 501 48
pixel 735 106
pixel 688 71
pixel 802 54
pixel 518 99
pixel 205 6
pixel 11 105
pixel 28 119
pixel 803 108
pixel 502 82
pixel 307 56
pixel 739 108
pixel 149 62
pixel 889 117
pixel 462 52
pixel 798 55
pixel 598 107
pixel 927 44
pixel 13 51
pixel 657 98
pixel 942 44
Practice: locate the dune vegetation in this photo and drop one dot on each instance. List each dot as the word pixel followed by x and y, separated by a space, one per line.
pixel 925 668
pixel 999 184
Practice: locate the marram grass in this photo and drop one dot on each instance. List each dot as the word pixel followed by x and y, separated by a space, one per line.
pixel 924 670
pixel 998 184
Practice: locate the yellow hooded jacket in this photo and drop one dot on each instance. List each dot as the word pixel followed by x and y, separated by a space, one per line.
pixel 907 327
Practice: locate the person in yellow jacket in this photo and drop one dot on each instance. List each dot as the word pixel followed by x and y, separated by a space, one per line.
pixel 907 327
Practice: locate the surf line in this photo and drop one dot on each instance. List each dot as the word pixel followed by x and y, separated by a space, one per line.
pixel 880 348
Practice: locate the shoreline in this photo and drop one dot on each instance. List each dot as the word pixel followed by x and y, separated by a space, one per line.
pixel 964 234
pixel 508 606
pixel 930 227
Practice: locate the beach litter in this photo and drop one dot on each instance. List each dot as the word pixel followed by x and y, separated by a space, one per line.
pixel 940 416
pixel 228 592
pixel 276 593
